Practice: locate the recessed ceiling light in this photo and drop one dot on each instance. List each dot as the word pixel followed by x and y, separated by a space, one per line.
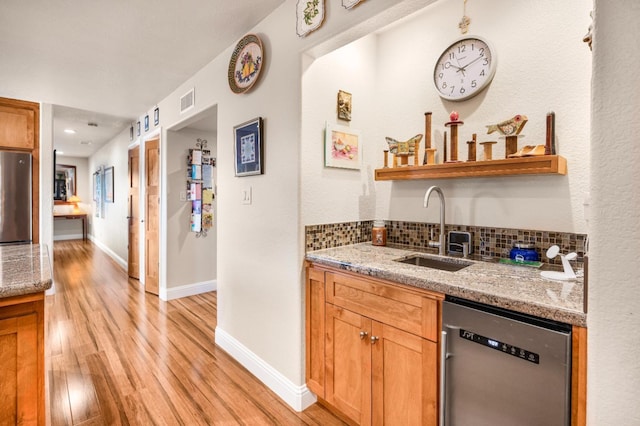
pixel 85 142
pixel 59 152
pixel 70 131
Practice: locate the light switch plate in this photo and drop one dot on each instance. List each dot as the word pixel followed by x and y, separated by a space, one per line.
pixel 183 195
pixel 246 195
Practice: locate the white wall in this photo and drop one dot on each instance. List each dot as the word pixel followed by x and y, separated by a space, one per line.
pixel 335 194
pixel 193 260
pixel 543 65
pixel 111 231
pixel 72 229
pixel 260 248
pixel 614 294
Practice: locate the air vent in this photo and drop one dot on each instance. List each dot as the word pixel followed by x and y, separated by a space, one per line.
pixel 187 101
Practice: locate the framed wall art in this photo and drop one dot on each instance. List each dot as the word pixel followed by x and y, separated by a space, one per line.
pixel 344 105
pixel 146 123
pixel 249 148
pixel 108 185
pixel 342 147
pixel 156 116
pixel 97 191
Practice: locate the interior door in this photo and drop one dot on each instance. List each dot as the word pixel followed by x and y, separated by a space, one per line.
pixel 152 215
pixel 134 213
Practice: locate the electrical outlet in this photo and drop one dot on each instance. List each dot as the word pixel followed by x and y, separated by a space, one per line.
pixel 246 195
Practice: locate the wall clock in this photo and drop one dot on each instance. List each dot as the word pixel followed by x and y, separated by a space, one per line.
pixel 245 64
pixel 465 68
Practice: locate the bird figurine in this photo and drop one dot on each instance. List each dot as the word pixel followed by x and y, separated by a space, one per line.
pixel 403 148
pixel 510 127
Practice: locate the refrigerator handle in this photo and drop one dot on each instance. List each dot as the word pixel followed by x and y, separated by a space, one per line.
pixel 443 372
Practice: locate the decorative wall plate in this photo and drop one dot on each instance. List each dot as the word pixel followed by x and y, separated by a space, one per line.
pixel 309 16
pixel 245 64
pixel 348 4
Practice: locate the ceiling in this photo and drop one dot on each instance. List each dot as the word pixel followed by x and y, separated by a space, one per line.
pixel 108 62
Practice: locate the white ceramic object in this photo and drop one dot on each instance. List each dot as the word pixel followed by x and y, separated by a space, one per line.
pixel 568 273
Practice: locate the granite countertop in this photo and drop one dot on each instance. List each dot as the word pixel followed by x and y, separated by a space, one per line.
pixel 518 288
pixel 24 269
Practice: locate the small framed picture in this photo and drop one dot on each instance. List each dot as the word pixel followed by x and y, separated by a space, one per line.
pixel 146 123
pixel 138 128
pixel 342 147
pixel 108 185
pixel 131 132
pixel 344 105
pixel 248 150
pixel 156 116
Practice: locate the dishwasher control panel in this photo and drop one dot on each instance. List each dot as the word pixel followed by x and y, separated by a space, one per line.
pixel 500 346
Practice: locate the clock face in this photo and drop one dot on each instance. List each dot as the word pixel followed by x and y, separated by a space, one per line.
pixel 464 69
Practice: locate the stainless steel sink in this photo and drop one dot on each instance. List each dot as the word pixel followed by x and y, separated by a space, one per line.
pixel 443 264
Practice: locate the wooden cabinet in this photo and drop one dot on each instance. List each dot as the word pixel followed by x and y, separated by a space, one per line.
pixel 20 131
pixel 22 360
pixel 18 124
pixel 373 354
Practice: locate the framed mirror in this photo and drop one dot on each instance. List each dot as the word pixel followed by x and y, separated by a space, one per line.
pixel 64 185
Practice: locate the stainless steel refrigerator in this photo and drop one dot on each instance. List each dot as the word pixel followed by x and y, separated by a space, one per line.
pixel 15 197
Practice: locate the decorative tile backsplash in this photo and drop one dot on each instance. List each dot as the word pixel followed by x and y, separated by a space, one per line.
pixel 492 242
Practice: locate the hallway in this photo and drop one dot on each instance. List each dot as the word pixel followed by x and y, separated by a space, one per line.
pixel 115 355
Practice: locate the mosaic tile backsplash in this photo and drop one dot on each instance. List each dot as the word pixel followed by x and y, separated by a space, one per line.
pixel 491 242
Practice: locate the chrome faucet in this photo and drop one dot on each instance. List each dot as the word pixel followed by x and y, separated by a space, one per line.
pixel 441 239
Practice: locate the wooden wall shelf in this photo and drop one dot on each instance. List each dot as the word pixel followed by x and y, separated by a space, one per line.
pixel 544 164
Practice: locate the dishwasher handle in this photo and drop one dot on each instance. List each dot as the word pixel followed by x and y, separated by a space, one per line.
pixel 443 377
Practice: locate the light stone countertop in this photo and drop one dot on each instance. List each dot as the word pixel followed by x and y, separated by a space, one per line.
pixel 24 269
pixel 518 288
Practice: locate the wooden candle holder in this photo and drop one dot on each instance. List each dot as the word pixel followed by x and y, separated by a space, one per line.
pixel 453 155
pixel 488 148
pixel 510 145
pixel 471 149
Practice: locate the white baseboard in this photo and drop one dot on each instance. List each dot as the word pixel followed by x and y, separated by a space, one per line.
pixel 67 237
pixel 120 261
pixel 188 290
pixel 297 397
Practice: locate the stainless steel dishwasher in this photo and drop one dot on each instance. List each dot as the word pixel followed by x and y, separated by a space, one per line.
pixel 500 367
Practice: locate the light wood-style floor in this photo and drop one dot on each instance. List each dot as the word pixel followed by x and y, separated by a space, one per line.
pixel 115 355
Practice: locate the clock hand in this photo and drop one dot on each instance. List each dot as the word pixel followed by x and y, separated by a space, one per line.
pixel 465 67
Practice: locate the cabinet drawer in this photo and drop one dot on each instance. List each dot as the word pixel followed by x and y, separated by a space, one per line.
pixel 412 311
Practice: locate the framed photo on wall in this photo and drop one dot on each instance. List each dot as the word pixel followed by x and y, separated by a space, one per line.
pixel 248 152
pixel 108 185
pixel 342 147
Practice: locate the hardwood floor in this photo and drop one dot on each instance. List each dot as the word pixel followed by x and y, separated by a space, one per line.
pixel 115 355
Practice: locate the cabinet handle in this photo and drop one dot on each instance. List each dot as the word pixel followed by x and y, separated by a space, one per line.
pixel 374 339
pixel 363 334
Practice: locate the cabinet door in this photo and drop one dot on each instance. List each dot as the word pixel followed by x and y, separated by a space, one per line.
pixel 315 330
pixel 17 124
pixel 19 373
pixel 348 363
pixel 405 384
